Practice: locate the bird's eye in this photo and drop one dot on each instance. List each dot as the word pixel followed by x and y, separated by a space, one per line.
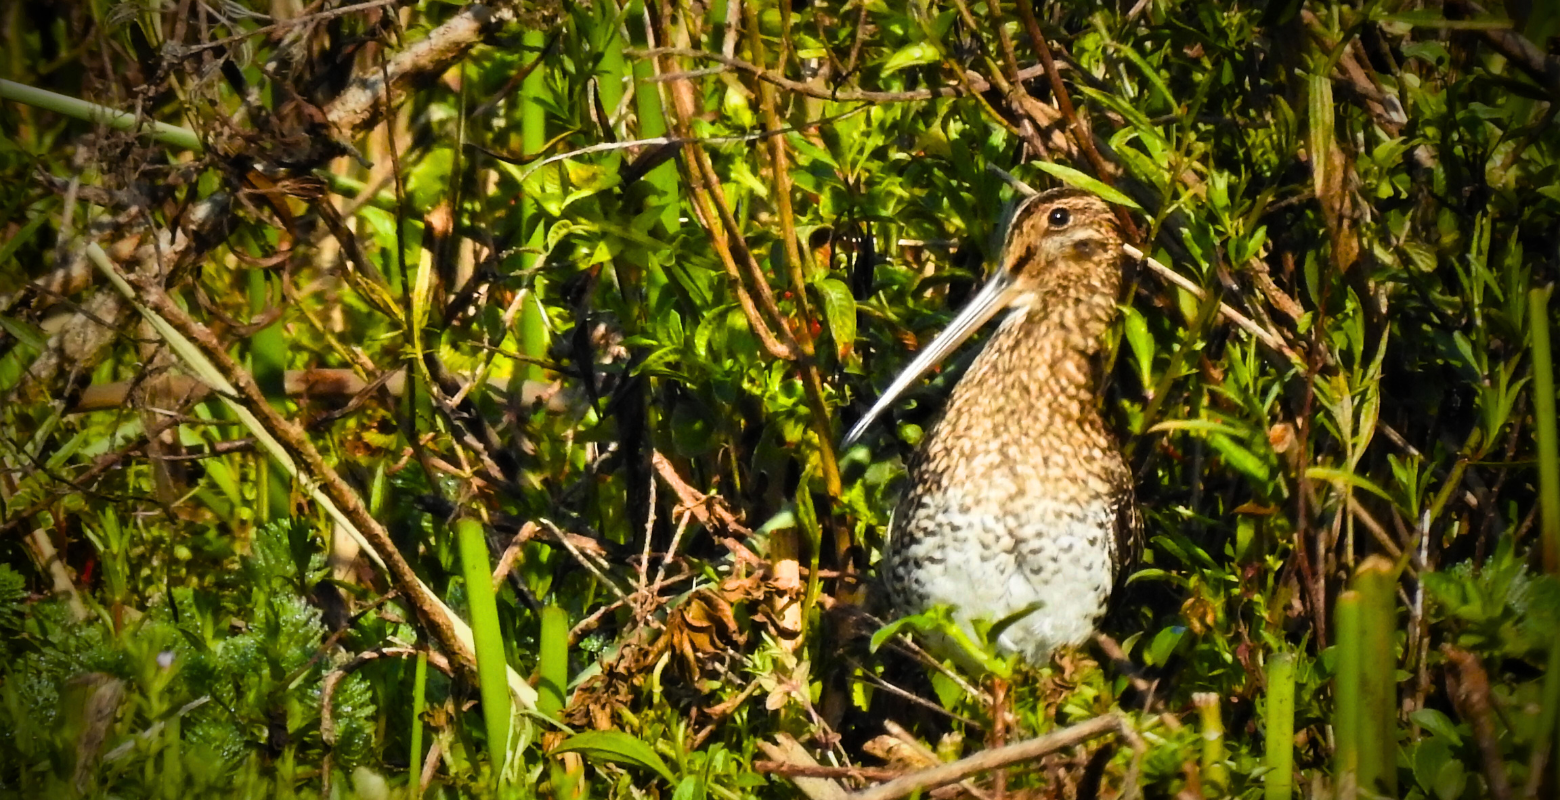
pixel 1059 217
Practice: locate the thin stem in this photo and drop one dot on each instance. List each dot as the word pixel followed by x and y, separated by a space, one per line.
pixel 779 164
pixel 419 700
pixel 991 759
pixel 75 108
pixel 1026 12
pixel 708 203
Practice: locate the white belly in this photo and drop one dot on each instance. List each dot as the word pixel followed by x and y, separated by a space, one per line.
pixel 988 564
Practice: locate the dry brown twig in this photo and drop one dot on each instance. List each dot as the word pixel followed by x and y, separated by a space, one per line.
pixel 294 438
pixel 1059 92
pixel 579 556
pixel 912 697
pixel 790 770
pixel 333 679
pixel 181 53
pixel 992 759
pixel 506 562
pixel 928 758
pixel 589 623
pixel 786 750
pixel 1240 320
pixel 707 509
pixel 754 295
pixel 358 106
pixel 1518 49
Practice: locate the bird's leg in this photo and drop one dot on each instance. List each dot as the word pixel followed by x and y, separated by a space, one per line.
pixel 999 729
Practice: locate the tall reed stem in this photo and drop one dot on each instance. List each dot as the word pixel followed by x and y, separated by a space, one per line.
pixel 1376 581
pixel 1215 777
pixel 1549 510
pixel 1346 696
pixel 1278 783
pixel 1544 418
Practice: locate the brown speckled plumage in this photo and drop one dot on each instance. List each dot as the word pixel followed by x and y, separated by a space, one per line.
pixel 1019 497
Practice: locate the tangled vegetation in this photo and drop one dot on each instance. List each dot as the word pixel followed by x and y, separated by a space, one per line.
pixel 445 400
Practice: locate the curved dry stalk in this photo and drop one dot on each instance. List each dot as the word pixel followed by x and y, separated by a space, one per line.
pixel 991 759
pixel 1241 321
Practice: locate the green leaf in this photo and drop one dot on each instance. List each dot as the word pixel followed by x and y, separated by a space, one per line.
pixel 1428 758
pixel 1450 780
pixel 1077 179
pixel 1001 625
pixel 618 747
pixel 1155 574
pixel 1430 18
pixel 887 632
pixel 1321 133
pixel 1163 646
pixel 806 149
pixel 912 56
pixel 25 333
pixel 705 335
pixel 1135 328
pixel 1241 459
pixel 422 300
pixel 1437 723
pixel 947 690
pixel 839 310
pixel 22 237
pixel 1341 476
pixel 1203 427
pixel 691 788
pixel 1151 75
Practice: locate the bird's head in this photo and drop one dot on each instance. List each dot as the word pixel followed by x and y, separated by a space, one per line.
pixel 1061 246
pixel 1058 243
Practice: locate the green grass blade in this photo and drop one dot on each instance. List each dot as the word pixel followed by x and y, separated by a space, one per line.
pixel 652 120
pixel 491 665
pixel 554 661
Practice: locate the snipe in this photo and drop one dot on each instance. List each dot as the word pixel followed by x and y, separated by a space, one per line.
pixel 1018 498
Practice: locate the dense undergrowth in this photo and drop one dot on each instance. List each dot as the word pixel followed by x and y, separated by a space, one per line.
pixel 632 363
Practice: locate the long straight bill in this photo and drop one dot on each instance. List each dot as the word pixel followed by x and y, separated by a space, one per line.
pixel 991 299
